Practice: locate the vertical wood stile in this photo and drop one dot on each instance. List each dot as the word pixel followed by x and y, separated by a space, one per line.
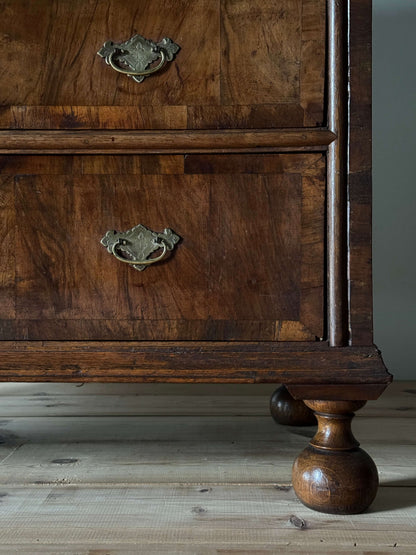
pixel 337 173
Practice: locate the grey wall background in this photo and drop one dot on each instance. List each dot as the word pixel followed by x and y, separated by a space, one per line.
pixel 394 183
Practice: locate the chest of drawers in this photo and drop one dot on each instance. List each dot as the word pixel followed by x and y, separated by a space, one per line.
pixel 242 164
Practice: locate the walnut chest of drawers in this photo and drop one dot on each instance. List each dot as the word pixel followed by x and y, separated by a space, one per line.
pixel 193 204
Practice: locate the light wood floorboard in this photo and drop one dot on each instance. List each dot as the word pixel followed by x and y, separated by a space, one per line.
pixel 103 470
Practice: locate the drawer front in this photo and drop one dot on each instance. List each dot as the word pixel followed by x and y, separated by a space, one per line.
pixel 250 264
pixel 242 64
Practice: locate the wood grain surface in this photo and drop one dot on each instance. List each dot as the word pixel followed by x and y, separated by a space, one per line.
pixel 227 93
pixel 81 400
pixel 246 234
pixel 357 372
pixel 333 475
pixel 359 179
pixel 8 267
pixel 120 469
pixel 241 65
pixel 123 142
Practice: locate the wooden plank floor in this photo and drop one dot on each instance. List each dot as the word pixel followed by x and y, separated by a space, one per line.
pixel 171 469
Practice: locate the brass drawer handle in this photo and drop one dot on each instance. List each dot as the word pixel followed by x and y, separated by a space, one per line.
pixel 136 245
pixel 134 73
pixel 133 57
pixel 147 262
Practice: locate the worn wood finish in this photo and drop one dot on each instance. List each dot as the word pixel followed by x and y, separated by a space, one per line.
pixel 231 362
pixel 122 142
pixel 94 117
pixel 248 46
pixel 260 78
pixel 336 391
pixel 263 116
pixel 287 410
pixel 62 40
pixel 309 165
pixel 332 474
pixel 359 178
pixel 313 72
pixel 226 75
pixel 246 227
pixel 8 269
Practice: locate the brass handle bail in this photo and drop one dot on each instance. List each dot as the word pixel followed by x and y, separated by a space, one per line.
pixel 135 56
pixel 146 262
pixel 114 65
pixel 136 245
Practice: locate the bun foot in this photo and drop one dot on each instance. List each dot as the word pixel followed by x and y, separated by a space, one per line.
pixel 333 475
pixel 289 411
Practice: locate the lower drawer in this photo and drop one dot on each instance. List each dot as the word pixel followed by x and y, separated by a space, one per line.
pixel 249 266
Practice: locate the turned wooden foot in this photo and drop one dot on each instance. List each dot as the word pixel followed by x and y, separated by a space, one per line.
pixel 287 410
pixel 333 475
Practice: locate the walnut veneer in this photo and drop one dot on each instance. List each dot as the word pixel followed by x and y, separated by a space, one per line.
pixel 254 146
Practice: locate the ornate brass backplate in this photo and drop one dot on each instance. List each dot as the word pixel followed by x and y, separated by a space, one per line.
pixel 134 56
pixel 137 244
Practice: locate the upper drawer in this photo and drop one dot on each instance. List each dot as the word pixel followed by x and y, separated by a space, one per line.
pixel 242 64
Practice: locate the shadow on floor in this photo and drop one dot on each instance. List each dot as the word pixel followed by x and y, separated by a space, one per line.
pixel 394 495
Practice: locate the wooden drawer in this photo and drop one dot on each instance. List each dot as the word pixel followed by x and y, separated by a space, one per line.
pixel 242 64
pixel 250 265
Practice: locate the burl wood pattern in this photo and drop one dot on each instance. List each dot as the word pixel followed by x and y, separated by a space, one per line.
pixel 242 64
pixel 333 474
pixel 249 266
